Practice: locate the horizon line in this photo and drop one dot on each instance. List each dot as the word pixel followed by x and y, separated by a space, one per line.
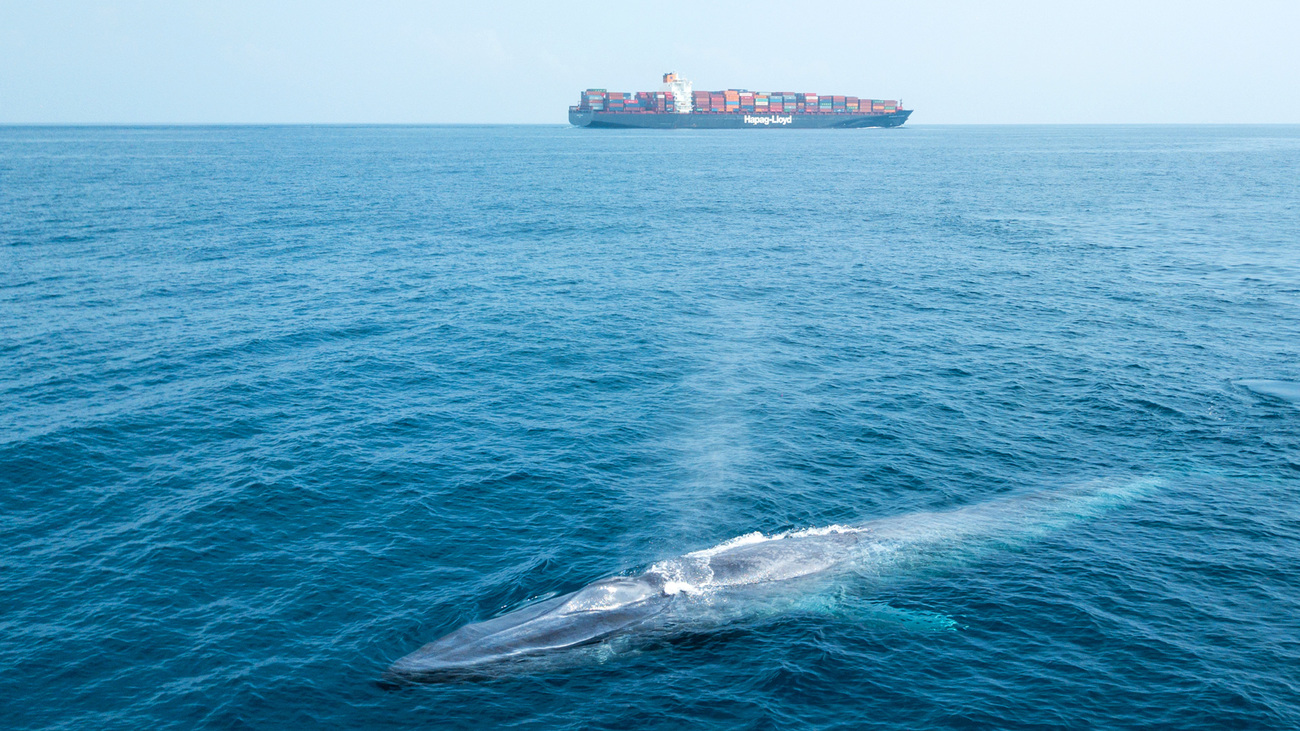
pixel 566 124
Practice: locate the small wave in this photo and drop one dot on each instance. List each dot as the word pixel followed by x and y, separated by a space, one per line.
pixel 742 540
pixel 760 537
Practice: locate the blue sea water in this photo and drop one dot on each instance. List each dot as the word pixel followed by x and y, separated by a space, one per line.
pixel 280 405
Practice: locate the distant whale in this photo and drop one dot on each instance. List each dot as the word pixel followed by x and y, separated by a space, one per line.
pixel 748 573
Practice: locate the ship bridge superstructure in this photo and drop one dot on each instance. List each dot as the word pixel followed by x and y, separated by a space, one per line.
pixel 681 91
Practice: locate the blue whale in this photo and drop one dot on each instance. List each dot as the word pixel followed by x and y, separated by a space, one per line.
pixel 751 572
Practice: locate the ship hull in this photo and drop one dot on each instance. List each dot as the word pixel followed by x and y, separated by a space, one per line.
pixel 739 120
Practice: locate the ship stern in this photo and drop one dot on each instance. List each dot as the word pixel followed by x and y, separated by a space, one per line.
pixel 580 118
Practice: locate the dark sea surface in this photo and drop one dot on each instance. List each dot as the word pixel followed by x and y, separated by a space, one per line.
pixel 280 405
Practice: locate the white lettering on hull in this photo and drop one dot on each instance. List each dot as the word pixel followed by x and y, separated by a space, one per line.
pixel 770 119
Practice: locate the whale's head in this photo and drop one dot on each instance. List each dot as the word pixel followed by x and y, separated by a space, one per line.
pixel 588 615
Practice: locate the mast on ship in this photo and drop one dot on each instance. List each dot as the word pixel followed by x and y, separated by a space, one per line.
pixel 681 89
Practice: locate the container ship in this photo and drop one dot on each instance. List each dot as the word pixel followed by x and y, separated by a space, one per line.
pixel 677 106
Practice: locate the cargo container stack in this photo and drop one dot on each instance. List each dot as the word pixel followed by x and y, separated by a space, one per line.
pixel 593 99
pixel 733 101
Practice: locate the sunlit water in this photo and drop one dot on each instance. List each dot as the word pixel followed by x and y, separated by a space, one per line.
pixel 279 406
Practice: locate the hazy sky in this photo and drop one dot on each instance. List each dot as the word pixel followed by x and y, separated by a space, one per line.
pixel 429 62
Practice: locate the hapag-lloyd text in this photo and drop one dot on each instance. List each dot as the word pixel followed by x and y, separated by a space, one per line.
pixel 772 119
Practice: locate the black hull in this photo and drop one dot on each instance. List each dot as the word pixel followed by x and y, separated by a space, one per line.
pixel 739 120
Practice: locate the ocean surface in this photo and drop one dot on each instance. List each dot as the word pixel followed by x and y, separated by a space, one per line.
pixel 280 405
